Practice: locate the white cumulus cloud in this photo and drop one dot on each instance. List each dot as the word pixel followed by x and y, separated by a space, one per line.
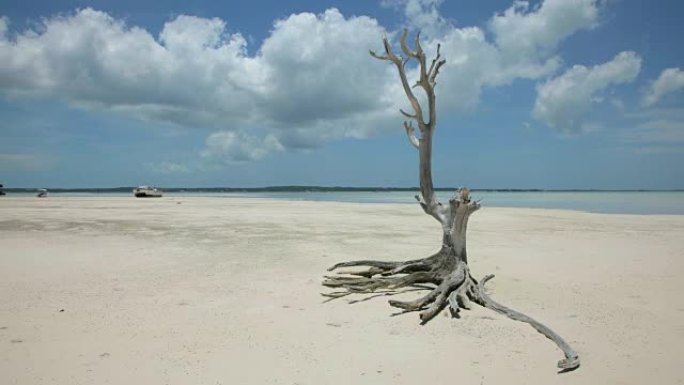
pixel 422 15
pixel 670 80
pixel 525 30
pixel 525 46
pixel 562 102
pixel 309 82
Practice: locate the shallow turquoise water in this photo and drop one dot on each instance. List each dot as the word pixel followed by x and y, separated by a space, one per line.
pixel 622 202
pixel 650 202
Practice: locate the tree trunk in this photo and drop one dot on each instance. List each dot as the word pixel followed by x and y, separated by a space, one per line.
pixel 445 274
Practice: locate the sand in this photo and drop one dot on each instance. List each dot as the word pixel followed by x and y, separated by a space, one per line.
pixel 226 291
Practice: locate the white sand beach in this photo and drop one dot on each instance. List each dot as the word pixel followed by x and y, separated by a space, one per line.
pixel 181 290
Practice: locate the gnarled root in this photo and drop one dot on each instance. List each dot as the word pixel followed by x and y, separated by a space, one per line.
pixel 453 287
pixel 386 268
pixel 453 290
pixel 369 285
pixel 571 360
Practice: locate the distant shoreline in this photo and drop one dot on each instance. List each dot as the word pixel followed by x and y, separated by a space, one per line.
pixel 296 189
pixel 669 202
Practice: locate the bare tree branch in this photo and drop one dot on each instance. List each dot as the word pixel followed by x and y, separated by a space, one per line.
pixel 434 61
pixel 434 74
pixel 433 206
pixel 405 47
pixel 375 55
pixel 406 114
pixel 391 56
pixel 435 66
pixel 411 132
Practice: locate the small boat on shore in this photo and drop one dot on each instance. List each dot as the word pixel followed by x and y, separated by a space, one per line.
pixel 42 193
pixel 147 192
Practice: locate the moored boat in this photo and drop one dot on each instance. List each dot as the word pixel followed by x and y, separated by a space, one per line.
pixel 147 192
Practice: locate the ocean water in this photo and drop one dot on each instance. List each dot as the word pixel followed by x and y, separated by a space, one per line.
pixel 615 202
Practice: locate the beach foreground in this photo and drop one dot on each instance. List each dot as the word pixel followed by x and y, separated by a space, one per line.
pixel 105 290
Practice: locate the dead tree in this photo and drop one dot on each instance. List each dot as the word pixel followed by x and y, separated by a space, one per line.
pixel 445 273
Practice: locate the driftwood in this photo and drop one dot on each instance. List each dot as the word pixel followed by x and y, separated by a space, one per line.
pixel 445 274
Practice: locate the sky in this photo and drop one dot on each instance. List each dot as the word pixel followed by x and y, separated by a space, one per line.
pixel 554 94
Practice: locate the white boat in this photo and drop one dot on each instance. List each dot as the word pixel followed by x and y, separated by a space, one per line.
pixel 147 192
pixel 42 193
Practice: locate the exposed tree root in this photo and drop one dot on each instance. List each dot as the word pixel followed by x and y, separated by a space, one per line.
pixel 571 360
pixel 452 287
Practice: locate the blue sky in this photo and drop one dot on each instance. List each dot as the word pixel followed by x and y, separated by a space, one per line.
pixel 553 94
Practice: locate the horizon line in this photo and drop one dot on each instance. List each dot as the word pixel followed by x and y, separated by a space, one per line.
pixel 317 188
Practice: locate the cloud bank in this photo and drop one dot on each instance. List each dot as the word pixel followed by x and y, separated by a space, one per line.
pixel 670 81
pixel 563 101
pixel 309 82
